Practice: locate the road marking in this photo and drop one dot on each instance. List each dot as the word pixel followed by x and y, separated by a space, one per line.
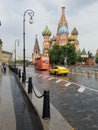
pixel 81 89
pixel 51 78
pixel 45 77
pixel 59 80
pixel 34 74
pixel 67 84
pixel 40 75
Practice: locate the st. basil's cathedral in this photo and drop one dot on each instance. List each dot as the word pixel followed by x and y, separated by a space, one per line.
pixel 62 37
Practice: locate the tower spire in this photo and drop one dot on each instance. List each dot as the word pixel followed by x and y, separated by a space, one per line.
pixel 62 21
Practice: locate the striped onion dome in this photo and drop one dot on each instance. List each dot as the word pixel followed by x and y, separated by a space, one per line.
pixel 74 32
pixel 71 38
pixel 63 30
pixel 46 32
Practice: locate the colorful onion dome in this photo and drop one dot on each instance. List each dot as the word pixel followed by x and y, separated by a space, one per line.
pixel 46 32
pixel 53 38
pixel 63 30
pixel 72 38
pixel 74 32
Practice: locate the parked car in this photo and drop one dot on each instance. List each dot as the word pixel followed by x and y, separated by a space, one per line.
pixel 57 70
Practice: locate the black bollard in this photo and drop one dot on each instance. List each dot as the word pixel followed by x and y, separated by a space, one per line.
pixel 19 74
pixel 23 77
pixel 30 85
pixel 46 105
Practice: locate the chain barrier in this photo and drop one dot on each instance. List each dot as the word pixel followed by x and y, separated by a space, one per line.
pixel 36 94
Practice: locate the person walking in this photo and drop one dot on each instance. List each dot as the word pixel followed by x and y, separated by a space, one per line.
pixel 4 67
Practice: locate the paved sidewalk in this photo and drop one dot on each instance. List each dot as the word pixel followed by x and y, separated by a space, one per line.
pixel 15 111
pixel 7 113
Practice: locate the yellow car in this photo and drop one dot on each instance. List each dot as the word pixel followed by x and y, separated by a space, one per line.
pixel 59 70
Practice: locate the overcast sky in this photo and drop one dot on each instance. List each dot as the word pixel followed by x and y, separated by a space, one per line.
pixel 79 13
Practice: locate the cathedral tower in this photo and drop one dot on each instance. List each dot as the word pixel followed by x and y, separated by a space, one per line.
pixel 74 33
pixel 46 44
pixel 62 30
pixel 36 51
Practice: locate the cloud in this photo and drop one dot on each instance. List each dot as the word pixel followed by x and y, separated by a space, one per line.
pixel 80 14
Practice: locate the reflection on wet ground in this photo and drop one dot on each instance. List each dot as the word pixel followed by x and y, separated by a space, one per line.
pixel 26 118
pixel 79 108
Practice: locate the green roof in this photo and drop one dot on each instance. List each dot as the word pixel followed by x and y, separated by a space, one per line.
pixel 83 52
pixel 46 32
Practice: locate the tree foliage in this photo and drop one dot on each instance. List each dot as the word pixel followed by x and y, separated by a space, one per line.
pixel 58 53
pixel 96 59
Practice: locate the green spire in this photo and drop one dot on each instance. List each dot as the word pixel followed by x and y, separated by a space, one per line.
pixel 83 52
pixel 46 32
pixel 79 52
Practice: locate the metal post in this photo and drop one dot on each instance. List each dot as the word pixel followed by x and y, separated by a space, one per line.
pixel 15 54
pixel 31 14
pixel 24 71
pixel 46 105
pixel 30 85
pixel 19 74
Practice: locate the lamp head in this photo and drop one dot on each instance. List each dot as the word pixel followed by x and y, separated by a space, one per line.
pixel 31 20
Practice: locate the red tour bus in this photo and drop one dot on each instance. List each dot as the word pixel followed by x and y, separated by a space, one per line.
pixel 42 63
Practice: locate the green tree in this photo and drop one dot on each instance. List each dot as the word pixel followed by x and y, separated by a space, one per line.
pixel 54 54
pixel 58 53
pixel 78 56
pixel 97 58
pixel 61 60
pixel 71 54
pixel 90 55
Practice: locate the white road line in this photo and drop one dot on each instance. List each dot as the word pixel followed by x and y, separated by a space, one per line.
pixel 30 73
pixel 35 74
pixel 45 77
pixel 81 89
pixel 51 78
pixel 67 84
pixel 40 75
pixel 59 80
pixel 81 86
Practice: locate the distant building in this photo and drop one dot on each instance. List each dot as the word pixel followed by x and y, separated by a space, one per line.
pixel 36 51
pixel 62 36
pixel 5 57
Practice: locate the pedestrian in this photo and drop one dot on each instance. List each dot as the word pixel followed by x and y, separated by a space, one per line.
pixel 4 67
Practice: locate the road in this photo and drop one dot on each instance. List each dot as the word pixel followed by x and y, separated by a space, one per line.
pixel 75 96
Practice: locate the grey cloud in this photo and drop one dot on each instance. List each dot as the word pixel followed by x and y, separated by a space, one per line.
pixel 75 7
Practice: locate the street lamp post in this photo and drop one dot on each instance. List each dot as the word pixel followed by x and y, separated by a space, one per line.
pixel 31 14
pixel 16 42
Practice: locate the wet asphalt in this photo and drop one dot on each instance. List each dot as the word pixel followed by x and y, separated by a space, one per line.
pixel 80 109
